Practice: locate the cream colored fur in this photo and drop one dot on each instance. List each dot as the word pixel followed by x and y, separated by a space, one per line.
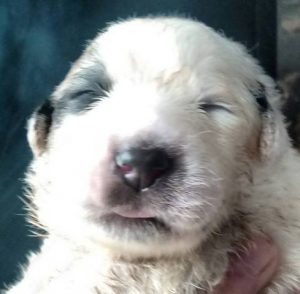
pixel 242 175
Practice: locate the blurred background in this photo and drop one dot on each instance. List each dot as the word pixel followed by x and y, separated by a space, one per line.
pixel 40 39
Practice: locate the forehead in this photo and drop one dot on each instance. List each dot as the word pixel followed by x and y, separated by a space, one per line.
pixel 170 49
pixel 175 56
pixel 157 48
pixel 141 48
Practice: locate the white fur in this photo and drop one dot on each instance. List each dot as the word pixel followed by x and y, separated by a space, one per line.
pixel 241 171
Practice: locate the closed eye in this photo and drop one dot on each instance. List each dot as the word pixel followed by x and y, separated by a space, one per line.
pixel 83 93
pixel 90 90
pixel 80 101
pixel 214 107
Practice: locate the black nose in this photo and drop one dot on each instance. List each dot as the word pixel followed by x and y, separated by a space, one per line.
pixel 140 168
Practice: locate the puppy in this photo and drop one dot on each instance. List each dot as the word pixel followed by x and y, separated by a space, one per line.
pixel 162 149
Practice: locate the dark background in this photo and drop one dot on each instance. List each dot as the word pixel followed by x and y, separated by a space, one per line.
pixel 39 39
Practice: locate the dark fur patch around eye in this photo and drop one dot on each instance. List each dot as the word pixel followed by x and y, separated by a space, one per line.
pixel 86 88
pixel 80 101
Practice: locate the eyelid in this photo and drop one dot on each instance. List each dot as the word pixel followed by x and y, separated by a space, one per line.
pixel 89 89
pixel 211 105
pixel 83 92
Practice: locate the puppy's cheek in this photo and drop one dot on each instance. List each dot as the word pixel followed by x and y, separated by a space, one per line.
pixel 198 200
pixel 101 182
pixel 71 166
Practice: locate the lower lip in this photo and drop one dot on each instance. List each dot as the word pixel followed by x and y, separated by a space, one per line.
pixel 132 213
pixel 133 220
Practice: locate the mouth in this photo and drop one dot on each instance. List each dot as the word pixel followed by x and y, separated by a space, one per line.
pixel 126 216
pixel 135 221
pixel 132 213
pixel 131 223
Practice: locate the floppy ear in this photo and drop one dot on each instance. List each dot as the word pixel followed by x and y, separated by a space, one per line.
pixel 273 137
pixel 39 126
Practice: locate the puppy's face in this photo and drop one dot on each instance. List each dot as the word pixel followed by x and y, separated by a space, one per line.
pixel 143 145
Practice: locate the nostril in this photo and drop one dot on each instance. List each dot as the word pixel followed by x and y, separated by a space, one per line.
pixel 158 161
pixel 125 168
pixel 140 168
pixel 125 161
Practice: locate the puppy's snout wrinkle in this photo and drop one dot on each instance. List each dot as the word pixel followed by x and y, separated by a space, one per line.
pixel 141 168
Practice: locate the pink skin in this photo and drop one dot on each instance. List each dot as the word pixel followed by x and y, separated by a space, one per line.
pixel 251 269
pixel 129 212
